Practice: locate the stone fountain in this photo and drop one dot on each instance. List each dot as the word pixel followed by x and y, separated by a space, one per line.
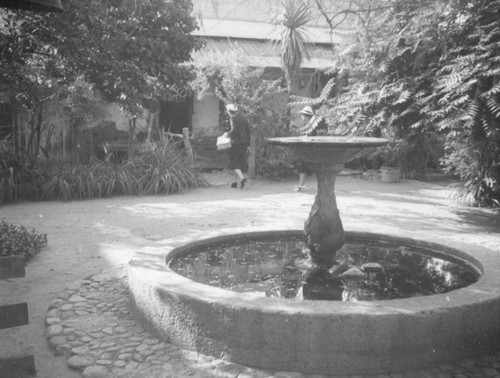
pixel 325 337
pixel 326 156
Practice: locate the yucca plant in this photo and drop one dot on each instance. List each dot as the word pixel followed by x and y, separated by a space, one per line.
pixel 59 184
pixel 292 37
pixel 119 179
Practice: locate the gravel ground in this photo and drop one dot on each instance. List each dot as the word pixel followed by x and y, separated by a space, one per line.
pixel 76 287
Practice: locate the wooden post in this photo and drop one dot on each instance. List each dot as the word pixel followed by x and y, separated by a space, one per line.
pixel 12 316
pixel 251 157
pixel 1 189
pixel 187 144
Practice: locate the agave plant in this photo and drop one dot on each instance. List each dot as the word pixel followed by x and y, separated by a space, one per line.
pixel 163 168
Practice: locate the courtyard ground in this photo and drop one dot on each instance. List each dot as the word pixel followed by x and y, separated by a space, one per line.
pixel 86 238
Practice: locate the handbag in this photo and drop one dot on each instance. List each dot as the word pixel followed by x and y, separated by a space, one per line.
pixel 223 142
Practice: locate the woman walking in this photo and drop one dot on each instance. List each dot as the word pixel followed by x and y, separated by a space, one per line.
pixel 239 133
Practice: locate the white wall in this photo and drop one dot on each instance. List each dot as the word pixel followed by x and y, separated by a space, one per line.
pixel 206 115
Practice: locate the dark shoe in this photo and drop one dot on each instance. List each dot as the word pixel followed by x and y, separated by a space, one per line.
pixel 243 183
pixel 234 185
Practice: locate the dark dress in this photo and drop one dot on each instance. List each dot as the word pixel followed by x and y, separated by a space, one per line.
pixel 240 140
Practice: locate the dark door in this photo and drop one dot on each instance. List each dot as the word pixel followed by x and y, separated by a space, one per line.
pixel 174 116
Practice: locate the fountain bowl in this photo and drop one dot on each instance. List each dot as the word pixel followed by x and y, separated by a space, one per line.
pixel 317 337
pixel 328 149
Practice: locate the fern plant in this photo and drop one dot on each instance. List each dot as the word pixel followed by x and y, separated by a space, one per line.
pixel 425 74
pixel 468 93
pixel 381 86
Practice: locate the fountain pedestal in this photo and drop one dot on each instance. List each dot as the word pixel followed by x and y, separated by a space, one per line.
pixel 323 228
pixel 326 156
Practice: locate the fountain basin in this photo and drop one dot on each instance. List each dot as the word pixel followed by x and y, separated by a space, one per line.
pixel 317 336
pixel 328 149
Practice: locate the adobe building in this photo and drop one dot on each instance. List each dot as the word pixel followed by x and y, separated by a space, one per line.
pixel 224 25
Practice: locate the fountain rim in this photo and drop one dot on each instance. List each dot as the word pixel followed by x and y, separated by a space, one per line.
pixel 329 141
pixel 277 334
pixel 158 256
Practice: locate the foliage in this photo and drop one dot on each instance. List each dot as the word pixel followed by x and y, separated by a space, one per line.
pixel 83 104
pixel 163 168
pixel 128 49
pixel 424 73
pixel 468 97
pixel 211 68
pixel 474 161
pixel 18 241
pixel 87 181
pixel 26 68
pixel 388 89
pixel 19 176
pixel 291 35
pixel 153 168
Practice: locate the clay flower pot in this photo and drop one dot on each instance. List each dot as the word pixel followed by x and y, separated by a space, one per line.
pixel 390 173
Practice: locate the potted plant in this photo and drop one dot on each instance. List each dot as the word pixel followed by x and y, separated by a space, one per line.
pixel 391 163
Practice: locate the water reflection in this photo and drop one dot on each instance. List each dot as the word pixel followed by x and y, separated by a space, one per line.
pixel 281 268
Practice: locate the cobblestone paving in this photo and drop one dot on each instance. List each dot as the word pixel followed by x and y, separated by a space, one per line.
pixel 90 323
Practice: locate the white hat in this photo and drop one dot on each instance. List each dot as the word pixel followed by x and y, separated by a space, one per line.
pixel 307 111
pixel 231 108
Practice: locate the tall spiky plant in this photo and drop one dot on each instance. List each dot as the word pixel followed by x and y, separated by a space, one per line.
pixel 292 37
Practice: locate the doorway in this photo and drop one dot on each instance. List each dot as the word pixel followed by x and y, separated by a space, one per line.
pixel 174 116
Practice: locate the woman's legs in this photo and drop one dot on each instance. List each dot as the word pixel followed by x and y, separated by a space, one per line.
pixel 240 178
pixel 238 160
pixel 302 181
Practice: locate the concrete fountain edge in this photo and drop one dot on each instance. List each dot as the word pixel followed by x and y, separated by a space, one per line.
pixel 317 336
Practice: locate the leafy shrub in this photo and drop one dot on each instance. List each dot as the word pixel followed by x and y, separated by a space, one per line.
pixel 18 241
pixel 163 168
pixel 98 179
pixel 475 162
pixel 153 168
pixel 468 88
pixel 19 176
pixel 279 165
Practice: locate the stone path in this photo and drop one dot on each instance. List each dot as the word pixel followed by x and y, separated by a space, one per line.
pixel 90 323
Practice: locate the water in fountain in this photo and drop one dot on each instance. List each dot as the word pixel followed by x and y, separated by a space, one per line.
pixel 281 267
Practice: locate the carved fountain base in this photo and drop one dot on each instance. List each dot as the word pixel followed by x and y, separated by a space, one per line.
pixel 323 228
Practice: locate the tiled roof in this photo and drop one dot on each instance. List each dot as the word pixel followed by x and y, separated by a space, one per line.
pixel 261 30
pixel 263 54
